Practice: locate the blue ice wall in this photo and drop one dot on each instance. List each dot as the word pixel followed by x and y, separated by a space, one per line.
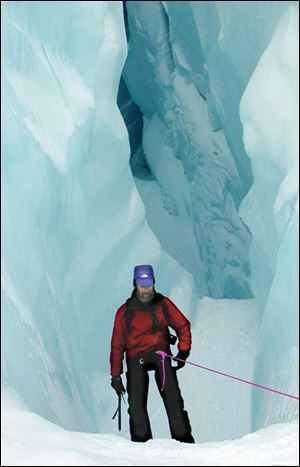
pixel 61 68
pixel 270 117
pixel 73 222
pixel 187 67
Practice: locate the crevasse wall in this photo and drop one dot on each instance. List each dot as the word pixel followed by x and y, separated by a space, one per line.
pixel 73 223
pixel 270 117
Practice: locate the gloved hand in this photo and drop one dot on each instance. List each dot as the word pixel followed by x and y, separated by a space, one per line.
pixel 183 355
pixel 116 383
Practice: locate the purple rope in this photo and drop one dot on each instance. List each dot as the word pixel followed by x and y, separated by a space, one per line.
pixel 164 355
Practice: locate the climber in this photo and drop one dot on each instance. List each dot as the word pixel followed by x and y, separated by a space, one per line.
pixel 140 329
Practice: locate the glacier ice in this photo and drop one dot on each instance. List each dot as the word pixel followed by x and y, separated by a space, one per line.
pixel 270 117
pixel 166 75
pixel 75 221
pixel 74 224
pixel 65 151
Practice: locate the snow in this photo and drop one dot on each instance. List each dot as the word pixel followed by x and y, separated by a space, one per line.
pixel 31 440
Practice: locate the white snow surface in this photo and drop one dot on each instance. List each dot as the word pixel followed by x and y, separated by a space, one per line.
pixel 29 439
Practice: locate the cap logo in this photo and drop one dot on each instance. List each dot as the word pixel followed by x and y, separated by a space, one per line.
pixel 144 275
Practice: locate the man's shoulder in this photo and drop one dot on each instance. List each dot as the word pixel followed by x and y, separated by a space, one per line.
pixel 121 309
pixel 165 298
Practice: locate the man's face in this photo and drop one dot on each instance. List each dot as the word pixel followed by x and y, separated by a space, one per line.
pixel 145 292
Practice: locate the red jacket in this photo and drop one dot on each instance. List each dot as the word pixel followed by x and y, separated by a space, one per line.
pixel 141 337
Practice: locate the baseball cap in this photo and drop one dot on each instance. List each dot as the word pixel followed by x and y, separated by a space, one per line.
pixel 144 275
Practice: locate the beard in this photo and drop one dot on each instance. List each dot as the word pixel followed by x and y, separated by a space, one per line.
pixel 146 296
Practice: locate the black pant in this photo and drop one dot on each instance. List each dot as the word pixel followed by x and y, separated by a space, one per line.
pixel 137 388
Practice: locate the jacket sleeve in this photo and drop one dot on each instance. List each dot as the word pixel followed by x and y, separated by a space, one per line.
pixel 181 325
pixel 118 344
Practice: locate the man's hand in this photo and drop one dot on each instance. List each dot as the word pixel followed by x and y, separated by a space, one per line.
pixel 182 355
pixel 116 383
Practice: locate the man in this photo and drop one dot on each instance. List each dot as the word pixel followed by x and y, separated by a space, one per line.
pixel 141 329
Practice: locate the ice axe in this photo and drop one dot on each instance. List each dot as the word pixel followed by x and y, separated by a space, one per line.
pixel 118 411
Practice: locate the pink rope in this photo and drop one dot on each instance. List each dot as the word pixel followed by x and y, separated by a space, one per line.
pixel 164 355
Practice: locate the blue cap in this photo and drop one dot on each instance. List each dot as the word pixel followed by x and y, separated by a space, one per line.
pixel 144 275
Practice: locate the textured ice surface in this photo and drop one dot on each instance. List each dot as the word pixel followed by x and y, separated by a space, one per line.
pixel 187 67
pixel 270 117
pixel 74 223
